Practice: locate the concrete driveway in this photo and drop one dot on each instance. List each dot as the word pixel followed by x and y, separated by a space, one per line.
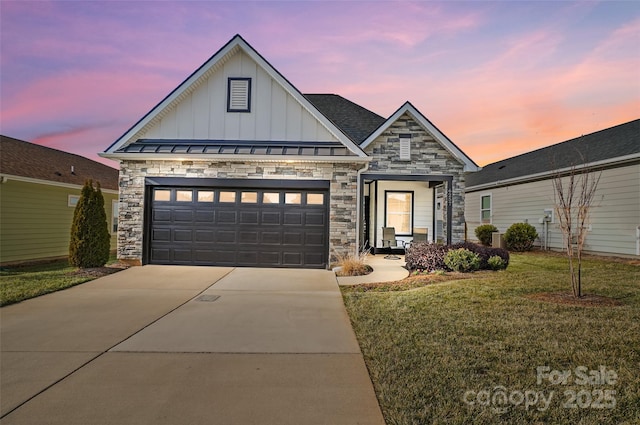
pixel 186 345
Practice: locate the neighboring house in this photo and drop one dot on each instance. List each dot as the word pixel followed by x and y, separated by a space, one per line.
pixel 520 189
pixel 237 167
pixel 39 188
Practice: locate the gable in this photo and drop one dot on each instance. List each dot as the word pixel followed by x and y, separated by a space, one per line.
pixel 408 112
pixel 201 109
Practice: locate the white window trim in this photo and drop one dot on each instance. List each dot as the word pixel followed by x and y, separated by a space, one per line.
pixel 386 211
pixel 115 210
pixel 490 209
pixel 72 200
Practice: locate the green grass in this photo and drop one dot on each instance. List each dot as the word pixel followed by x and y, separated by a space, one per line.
pixel 23 282
pixel 425 348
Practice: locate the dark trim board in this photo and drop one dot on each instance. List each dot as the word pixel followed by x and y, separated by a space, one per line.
pixel 238 183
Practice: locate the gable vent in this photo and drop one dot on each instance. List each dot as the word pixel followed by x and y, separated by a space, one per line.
pixel 405 147
pixel 239 95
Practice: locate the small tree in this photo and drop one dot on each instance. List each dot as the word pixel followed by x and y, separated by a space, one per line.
pixel 90 241
pixel 574 197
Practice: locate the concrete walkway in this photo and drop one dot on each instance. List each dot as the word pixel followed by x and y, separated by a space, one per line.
pixel 383 271
pixel 186 345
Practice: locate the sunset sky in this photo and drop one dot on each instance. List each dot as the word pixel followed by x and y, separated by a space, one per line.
pixel 498 78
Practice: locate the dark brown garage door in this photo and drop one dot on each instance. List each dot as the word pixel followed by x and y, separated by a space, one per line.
pixel 259 227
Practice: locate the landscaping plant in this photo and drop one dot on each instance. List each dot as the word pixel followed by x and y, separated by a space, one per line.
pixel 462 260
pixel 484 233
pixel 520 237
pixel 484 252
pixel 90 241
pixel 574 197
pixel 425 256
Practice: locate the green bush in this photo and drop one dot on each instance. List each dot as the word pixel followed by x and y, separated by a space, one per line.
pixel 462 260
pixel 520 237
pixel 484 233
pixel 496 263
pixel 90 241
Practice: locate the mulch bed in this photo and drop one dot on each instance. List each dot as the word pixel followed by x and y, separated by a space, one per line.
pixel 96 272
pixel 567 298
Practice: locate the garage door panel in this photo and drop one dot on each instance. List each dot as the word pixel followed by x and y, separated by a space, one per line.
pixel 204 236
pixel 228 236
pixel 270 238
pixel 271 217
pixel 203 216
pixel 292 218
pixel 248 237
pixel 292 258
pixel 237 227
pixel 161 235
pixel 227 217
pixel 314 219
pixel 183 215
pixel 160 215
pixel 182 235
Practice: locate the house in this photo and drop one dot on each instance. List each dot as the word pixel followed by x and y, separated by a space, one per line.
pixel 236 167
pixel 520 189
pixel 39 188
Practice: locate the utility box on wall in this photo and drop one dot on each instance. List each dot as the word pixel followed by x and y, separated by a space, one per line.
pixel 497 240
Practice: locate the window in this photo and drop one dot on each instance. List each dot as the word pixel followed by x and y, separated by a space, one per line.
pixel 399 211
pixel 205 196
pixel 249 197
pixel 115 206
pixel 293 198
pixel 72 200
pixel 184 195
pixel 161 195
pixel 227 197
pixel 239 95
pixel 485 208
pixel 315 199
pixel 270 198
pixel 405 147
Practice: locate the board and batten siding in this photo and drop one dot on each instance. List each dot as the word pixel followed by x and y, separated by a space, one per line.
pixel 275 114
pixel 422 207
pixel 614 221
pixel 35 220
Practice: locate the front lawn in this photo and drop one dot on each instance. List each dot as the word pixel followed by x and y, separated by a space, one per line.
pixel 481 351
pixel 18 283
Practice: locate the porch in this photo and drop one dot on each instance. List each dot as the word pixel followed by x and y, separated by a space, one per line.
pixel 411 204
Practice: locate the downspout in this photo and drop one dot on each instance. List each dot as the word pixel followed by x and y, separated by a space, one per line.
pixel 359 197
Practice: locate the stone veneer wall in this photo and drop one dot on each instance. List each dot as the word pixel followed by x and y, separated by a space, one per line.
pixel 427 157
pixel 343 196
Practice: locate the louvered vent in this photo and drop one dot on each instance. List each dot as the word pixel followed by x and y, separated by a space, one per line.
pixel 405 147
pixel 239 95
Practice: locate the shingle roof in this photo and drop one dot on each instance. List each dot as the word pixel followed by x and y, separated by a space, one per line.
pixel 24 159
pixel 354 120
pixel 619 141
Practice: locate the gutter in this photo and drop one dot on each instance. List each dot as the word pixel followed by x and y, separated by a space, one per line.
pixel 232 158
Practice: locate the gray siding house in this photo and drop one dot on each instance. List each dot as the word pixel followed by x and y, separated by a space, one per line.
pixel 236 167
pixel 519 189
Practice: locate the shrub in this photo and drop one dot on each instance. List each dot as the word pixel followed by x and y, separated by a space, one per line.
pixel 90 241
pixel 495 262
pixel 484 233
pixel 353 265
pixel 462 260
pixel 484 252
pixel 426 256
pixel 520 237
